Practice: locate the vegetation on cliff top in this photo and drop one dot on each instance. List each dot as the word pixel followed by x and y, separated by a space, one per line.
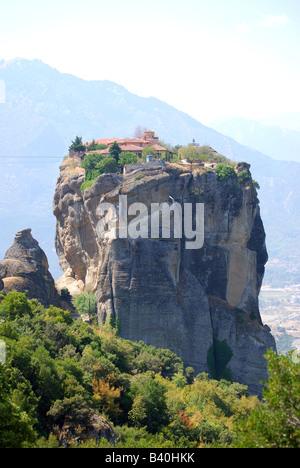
pixel 96 164
pixel 60 372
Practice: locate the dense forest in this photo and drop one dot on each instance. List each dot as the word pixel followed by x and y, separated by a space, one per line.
pixel 69 383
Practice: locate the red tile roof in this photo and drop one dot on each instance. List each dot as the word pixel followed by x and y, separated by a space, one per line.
pixel 158 147
pixel 130 144
pixel 106 141
pixel 131 147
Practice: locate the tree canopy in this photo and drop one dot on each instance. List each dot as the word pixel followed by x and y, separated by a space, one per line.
pixel 115 151
pixel 77 145
pixel 62 371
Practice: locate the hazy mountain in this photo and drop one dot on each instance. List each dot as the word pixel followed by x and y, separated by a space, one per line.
pixel 287 120
pixel 44 110
pixel 280 143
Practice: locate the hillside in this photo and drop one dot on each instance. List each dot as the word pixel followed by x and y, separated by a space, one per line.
pixel 44 110
pixel 67 384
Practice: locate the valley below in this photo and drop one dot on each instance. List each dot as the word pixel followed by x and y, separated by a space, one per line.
pixel 280 310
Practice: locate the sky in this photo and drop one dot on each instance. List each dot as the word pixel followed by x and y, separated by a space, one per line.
pixel 210 59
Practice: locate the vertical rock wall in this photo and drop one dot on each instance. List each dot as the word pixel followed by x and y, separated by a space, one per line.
pixel 189 301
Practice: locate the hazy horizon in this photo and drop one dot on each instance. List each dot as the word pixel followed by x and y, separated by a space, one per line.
pixel 208 59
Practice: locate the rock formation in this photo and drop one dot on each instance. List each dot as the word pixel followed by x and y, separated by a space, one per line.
pixel 25 269
pixel 95 428
pixel 202 304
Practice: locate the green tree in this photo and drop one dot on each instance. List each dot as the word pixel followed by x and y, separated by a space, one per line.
pixel 75 408
pixel 190 374
pixel 179 380
pixel 138 413
pixel 15 305
pixel 107 165
pixel 96 165
pixel 23 396
pixel 126 157
pixel 16 427
pixel 45 379
pixel 276 421
pixel 86 304
pixel 148 150
pixel 190 152
pixel 115 151
pixel 90 162
pixel 243 176
pixel 225 172
pixel 94 146
pixel 106 397
pixel 77 145
pixel 154 399
pixel 58 315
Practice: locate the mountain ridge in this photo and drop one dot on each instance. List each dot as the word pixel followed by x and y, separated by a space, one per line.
pixel 183 135
pixel 281 143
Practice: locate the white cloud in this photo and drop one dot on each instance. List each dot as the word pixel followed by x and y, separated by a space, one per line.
pixel 266 21
pixel 271 21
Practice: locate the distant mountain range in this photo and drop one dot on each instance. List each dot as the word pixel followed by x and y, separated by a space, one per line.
pixel 45 109
pixel 287 120
pixel 274 140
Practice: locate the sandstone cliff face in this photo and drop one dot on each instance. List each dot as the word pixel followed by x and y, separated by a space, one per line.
pixel 164 294
pixel 25 268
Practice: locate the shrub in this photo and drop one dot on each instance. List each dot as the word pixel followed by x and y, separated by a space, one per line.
pixel 128 158
pixel 75 409
pixel 60 371
pixel 107 165
pixel 179 380
pixel 90 161
pixel 65 294
pixel 86 185
pixel 154 399
pixel 15 305
pixel 243 176
pixel 106 398
pixel 225 172
pixel 104 166
pixel 276 423
pixel 58 315
pixel 15 425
